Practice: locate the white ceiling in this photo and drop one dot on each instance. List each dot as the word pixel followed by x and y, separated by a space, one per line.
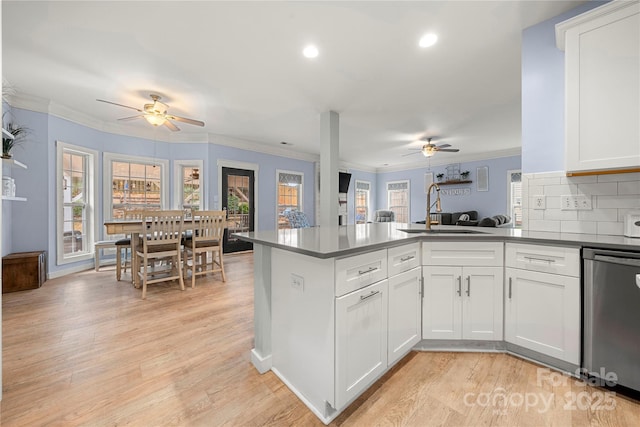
pixel 238 67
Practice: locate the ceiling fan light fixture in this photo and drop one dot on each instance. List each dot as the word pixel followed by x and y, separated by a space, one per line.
pixel 154 119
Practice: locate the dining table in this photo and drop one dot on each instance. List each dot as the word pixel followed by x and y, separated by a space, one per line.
pixel 133 227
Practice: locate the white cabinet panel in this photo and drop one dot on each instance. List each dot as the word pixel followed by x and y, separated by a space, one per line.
pixel 542 313
pixel 404 313
pixel 403 258
pixel 361 340
pixel 463 253
pixel 603 88
pixel 543 258
pixel 442 302
pixel 482 306
pixel 462 303
pixel 358 271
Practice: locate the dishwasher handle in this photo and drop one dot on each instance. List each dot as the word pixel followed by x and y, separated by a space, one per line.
pixel 633 262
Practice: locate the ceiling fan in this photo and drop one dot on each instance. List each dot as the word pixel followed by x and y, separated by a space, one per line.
pixel 156 114
pixel 430 149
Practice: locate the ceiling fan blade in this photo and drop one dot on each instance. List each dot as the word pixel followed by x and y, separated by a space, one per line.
pixel 443 146
pixel 186 120
pixel 171 126
pixel 447 150
pixel 410 154
pixel 120 105
pixel 126 119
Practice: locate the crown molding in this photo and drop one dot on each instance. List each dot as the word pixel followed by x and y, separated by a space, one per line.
pixel 256 146
pixel 605 9
pixel 459 158
pixel 357 166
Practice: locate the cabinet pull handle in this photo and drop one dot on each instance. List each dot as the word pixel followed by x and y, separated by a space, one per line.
pixel 364 297
pixel 407 258
pixel 532 258
pixel 368 270
pixel 468 286
pixel 510 280
pixel 459 286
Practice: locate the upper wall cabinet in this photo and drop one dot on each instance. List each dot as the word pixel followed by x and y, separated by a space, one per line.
pixel 602 78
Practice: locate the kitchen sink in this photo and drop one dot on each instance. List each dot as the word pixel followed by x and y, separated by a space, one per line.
pixel 437 231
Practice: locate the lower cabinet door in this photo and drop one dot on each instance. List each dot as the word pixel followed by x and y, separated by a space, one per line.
pixel 482 303
pixel 442 303
pixel 404 313
pixel 542 313
pixel 361 340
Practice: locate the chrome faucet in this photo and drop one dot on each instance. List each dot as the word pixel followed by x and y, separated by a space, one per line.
pixel 438 206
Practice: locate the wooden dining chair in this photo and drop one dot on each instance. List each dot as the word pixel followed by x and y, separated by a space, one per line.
pixel 160 238
pixel 207 237
pixel 124 246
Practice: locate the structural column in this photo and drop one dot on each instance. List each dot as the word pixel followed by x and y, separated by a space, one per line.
pixel 329 158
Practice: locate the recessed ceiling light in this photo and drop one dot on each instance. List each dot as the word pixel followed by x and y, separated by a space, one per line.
pixel 428 40
pixel 310 51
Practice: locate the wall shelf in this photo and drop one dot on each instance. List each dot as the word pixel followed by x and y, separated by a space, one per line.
pixel 467 181
pixel 15 199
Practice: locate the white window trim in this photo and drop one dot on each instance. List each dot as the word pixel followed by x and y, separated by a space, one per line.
pixel 107 180
pixel 408 198
pixel 509 172
pixel 301 195
pixel 91 198
pixel 240 165
pixel 355 200
pixel 178 166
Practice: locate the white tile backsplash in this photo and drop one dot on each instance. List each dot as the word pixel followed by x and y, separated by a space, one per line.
pixel 612 196
pixel 629 187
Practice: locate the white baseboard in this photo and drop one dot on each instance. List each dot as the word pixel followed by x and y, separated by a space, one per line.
pixel 262 364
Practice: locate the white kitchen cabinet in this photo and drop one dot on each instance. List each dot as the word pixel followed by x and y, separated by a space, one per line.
pixel 361 340
pixel 462 303
pixel 542 299
pixel 404 313
pixel 602 65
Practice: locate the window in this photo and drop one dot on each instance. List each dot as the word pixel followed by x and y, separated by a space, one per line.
pixel 398 199
pixel 133 183
pixel 75 184
pixel 514 196
pixel 289 195
pixel 188 181
pixel 363 189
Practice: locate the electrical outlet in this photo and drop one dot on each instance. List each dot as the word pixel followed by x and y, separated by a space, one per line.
pixel 297 282
pixel 539 202
pixel 575 203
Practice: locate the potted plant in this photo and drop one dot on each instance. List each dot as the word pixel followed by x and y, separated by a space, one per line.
pixel 465 174
pixel 440 176
pixel 19 134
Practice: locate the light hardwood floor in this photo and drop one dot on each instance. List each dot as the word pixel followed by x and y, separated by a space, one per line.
pixel 86 350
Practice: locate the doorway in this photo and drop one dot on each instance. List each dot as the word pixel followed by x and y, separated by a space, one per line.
pixel 239 201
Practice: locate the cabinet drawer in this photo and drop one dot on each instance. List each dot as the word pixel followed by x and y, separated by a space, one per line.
pixel 403 258
pixel 546 259
pixel 463 253
pixel 360 270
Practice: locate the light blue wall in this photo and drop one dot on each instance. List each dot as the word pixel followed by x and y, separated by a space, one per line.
pixel 31 225
pixel 487 203
pixel 543 95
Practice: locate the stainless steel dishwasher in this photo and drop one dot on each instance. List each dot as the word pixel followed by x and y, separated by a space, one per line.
pixel 611 333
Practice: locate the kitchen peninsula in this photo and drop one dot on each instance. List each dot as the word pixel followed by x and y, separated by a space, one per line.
pixel 337 307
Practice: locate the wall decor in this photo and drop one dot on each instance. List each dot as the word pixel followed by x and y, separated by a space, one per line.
pixel 482 174
pixel 455 191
